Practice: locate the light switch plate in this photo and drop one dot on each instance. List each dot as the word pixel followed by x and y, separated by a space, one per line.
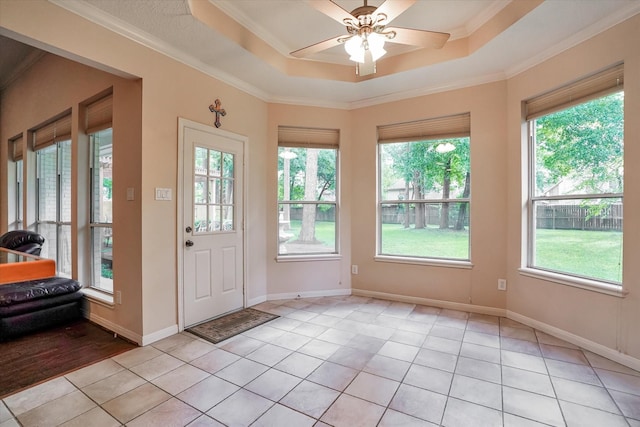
pixel 163 193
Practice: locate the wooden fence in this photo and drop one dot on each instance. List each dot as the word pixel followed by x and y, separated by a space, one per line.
pixel 559 217
pixel 576 217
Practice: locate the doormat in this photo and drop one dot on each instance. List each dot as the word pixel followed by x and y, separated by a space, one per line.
pixel 224 327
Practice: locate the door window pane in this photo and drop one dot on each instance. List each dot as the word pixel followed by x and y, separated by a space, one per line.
pixel 213 195
pixel 215 159
pixel 200 192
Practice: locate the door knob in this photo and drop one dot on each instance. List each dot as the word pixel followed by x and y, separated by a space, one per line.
pixel 188 229
pixel 189 243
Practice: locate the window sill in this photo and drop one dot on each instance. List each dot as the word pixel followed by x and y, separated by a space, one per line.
pixel 98 297
pixel 299 258
pixel 432 262
pixel 576 282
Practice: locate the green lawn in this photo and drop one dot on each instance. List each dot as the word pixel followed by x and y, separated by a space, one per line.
pixel 429 242
pixel 596 254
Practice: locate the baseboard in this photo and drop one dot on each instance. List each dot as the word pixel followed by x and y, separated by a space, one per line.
pixel 119 330
pixel 158 335
pixel 309 294
pixel 449 305
pixel 599 349
pixel 255 301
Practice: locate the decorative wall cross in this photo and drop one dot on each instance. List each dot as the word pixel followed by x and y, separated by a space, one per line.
pixel 215 108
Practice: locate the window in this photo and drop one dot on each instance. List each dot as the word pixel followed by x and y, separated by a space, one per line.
pixel 15 149
pixel 100 133
pixel 52 143
pixel 213 196
pixel 18 223
pixel 307 191
pixel 576 178
pixel 424 189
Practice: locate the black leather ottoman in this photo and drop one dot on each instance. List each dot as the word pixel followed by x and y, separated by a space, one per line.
pixel 36 304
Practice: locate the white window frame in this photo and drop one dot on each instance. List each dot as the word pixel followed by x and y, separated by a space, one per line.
pixel 99 117
pixel 592 87
pixel 57 222
pixel 431 129
pixel 306 138
pixel 95 225
pixel 19 220
pixel 16 177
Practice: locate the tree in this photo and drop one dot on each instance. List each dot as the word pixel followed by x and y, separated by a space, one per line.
pixel 455 156
pixel 583 144
pixel 428 167
pixel 311 175
pixel 462 213
pixel 308 227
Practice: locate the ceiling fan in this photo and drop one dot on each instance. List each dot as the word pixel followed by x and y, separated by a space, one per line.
pixel 368 31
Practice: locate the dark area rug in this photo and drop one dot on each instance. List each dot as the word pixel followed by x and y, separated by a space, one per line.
pixel 224 327
pixel 41 356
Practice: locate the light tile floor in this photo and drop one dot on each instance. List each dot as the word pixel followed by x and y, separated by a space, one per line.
pixel 345 361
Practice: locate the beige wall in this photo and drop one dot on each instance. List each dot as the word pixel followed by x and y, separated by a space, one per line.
pixel 310 278
pixel 171 90
pixel 55 85
pixel 607 320
pixel 477 285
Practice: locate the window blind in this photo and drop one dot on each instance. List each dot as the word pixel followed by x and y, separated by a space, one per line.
pixel 100 115
pixel 55 131
pixel 455 126
pixel 595 86
pixel 15 148
pixel 289 136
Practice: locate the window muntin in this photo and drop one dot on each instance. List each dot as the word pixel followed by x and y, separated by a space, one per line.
pixel 424 195
pixel 101 208
pixel 576 190
pixel 213 192
pixel 307 200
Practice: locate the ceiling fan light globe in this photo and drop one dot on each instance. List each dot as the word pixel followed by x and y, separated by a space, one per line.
pixel 376 45
pixel 353 45
pixel 354 48
pixel 377 53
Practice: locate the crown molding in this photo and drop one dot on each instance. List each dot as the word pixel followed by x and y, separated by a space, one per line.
pixel 255 27
pixel 22 67
pixel 482 18
pixel 99 17
pixel 124 29
pixel 399 96
pixel 591 31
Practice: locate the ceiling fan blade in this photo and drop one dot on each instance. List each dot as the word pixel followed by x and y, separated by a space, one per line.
pixel 420 38
pixel 393 8
pixel 315 48
pixel 331 9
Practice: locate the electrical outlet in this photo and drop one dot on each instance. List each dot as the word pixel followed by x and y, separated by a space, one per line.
pixel 354 269
pixel 502 284
pixel 118 297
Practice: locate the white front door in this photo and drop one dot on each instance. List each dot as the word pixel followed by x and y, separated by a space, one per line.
pixel 213 253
